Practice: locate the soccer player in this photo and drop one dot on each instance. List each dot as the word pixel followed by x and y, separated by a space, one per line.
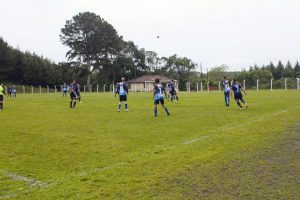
pixel 226 86
pixel 9 91
pixel 2 93
pixel 14 91
pixel 72 87
pixel 172 91
pixel 64 90
pixel 236 88
pixel 77 90
pixel 122 90
pixel 158 95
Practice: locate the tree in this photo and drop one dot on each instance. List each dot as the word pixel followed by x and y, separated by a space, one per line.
pixel 279 71
pixel 93 42
pixel 297 70
pixel 288 70
pixel 216 73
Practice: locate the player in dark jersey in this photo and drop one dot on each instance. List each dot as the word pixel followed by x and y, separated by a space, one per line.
pixel 77 90
pixel 73 95
pixel 226 86
pixel 122 91
pixel 9 91
pixel 158 94
pixel 172 91
pixel 236 88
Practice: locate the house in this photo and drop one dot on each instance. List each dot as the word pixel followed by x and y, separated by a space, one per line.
pixel 145 83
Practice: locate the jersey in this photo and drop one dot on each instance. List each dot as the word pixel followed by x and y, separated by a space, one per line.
pixel 64 88
pixel 14 90
pixel 158 91
pixel 72 88
pixel 171 87
pixel 77 89
pixel 226 86
pixel 236 89
pixel 1 90
pixel 122 89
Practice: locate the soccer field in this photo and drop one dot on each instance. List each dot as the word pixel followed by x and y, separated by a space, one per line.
pixel 204 150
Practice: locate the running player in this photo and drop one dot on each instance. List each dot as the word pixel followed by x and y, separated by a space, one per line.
pixel 9 90
pixel 72 88
pixel 64 90
pixel 122 91
pixel 158 95
pixel 2 93
pixel 238 96
pixel 226 86
pixel 172 91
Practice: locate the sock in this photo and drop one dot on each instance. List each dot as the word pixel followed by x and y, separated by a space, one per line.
pixel 1 106
pixel 119 106
pixel 79 99
pixel 74 105
pixel 177 98
pixel 239 104
pixel 126 106
pixel 71 104
pixel 155 112
pixel 166 109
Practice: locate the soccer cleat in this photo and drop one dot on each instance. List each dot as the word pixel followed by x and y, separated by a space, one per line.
pixel 241 108
pixel 74 107
pixel 246 105
pixel 168 114
pixel 119 110
pixel 126 110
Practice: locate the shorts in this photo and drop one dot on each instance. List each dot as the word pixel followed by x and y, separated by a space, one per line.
pixel 226 94
pixel 72 96
pixel 238 97
pixel 65 91
pixel 172 93
pixel 123 97
pixel 161 100
pixel 1 98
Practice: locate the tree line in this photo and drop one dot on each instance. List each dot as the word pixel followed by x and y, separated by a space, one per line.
pixel 99 55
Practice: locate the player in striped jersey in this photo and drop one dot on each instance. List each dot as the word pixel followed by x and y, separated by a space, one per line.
pixel 122 90
pixel 226 86
pixel 158 94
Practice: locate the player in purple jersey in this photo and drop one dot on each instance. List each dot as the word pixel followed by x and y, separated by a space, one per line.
pixel 158 95
pixel 238 96
pixel 226 86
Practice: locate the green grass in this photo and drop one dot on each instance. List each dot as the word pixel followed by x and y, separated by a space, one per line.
pixel 204 150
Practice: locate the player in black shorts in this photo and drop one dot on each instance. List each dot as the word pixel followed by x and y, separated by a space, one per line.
pixel 73 95
pixel 238 96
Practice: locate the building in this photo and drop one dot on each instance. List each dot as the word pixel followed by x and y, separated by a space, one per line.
pixel 145 83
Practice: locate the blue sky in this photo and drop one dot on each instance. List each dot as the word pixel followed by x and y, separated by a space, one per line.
pixel 238 33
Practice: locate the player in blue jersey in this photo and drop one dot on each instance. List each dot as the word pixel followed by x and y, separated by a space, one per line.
pixel 77 90
pixel 9 91
pixel 72 88
pixel 237 90
pixel 158 94
pixel 64 90
pixel 226 86
pixel 14 91
pixel 122 91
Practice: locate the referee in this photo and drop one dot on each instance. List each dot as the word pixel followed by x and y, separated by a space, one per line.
pixel 2 93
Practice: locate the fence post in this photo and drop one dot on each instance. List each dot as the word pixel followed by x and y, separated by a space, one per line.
pixel 197 86
pixel 91 88
pixel 47 88
pixel 298 83
pixel 31 89
pixel 55 89
pixel 104 87
pixel 23 89
pixel 84 88
pixel 40 89
pixel 285 84
pixel 257 84
pixel 219 86
pixel 271 84
pixel 244 85
pixel 207 86
pixel 201 87
pixel 97 88
pixel 5 88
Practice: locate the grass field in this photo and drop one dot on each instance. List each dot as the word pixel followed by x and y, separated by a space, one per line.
pixel 204 150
